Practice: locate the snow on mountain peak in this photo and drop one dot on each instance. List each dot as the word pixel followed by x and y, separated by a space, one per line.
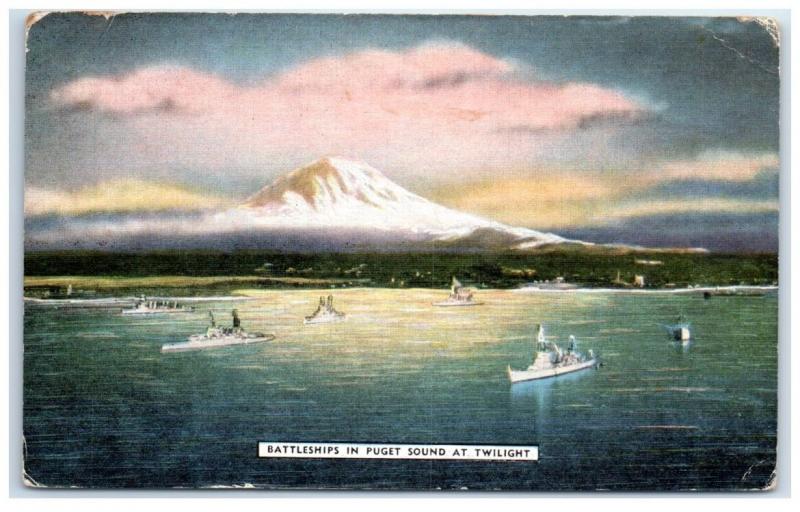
pixel 335 192
pixel 327 182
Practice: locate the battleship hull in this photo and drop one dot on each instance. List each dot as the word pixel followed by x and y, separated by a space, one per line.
pixel 224 341
pixel 456 303
pixel 333 319
pixel 527 375
pixel 144 312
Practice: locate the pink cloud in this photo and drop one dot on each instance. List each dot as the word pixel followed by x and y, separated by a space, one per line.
pixel 421 106
pixel 146 89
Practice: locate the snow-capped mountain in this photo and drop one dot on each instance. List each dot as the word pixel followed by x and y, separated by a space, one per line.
pixel 335 193
pixel 332 204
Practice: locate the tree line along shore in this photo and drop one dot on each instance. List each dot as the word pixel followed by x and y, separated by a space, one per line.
pixel 274 270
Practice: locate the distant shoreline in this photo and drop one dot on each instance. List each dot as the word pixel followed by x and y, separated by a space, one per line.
pixel 246 294
pixel 105 283
pixel 697 289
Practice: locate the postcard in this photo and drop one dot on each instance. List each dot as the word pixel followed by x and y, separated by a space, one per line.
pixel 401 252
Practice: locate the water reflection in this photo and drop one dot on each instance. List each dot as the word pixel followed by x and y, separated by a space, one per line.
pixel 543 387
pixel 682 346
pixel 544 402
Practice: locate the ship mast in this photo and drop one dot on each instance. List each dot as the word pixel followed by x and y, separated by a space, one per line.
pixel 540 342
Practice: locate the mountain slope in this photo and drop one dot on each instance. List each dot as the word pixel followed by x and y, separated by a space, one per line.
pixel 344 194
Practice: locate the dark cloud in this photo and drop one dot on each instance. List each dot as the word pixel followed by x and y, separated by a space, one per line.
pixel 600 120
pixel 165 106
pixel 763 186
pixel 448 80
pixel 743 233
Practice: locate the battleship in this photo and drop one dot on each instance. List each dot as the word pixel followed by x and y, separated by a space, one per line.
pixel 459 296
pixel 550 361
pixel 325 313
pixel 556 284
pixel 216 337
pixel 154 307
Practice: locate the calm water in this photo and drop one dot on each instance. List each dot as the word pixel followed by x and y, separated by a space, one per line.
pixel 104 408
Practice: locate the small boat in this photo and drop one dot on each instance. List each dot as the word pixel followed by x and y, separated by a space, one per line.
pixel 680 331
pixel 155 307
pixel 459 296
pixel 216 337
pixel 325 313
pixel 550 361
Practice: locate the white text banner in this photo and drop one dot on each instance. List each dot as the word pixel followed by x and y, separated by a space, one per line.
pixel 502 453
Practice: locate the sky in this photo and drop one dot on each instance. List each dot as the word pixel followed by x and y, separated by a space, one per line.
pixel 661 131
